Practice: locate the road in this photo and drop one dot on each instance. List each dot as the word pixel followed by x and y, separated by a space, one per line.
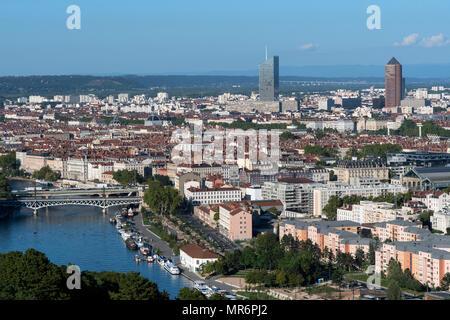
pixel 211 234
pixel 384 289
pixel 156 242
pixel 153 239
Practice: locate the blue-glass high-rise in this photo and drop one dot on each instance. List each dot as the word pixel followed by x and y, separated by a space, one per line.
pixel 269 81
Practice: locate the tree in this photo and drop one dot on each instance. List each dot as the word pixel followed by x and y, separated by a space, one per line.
pixel 31 276
pixel 351 153
pixel 359 258
pixel 287 242
pixel 217 214
pixel 274 211
pixel 217 296
pixel 5 187
pixel 344 260
pixel 281 278
pixel 286 136
pixel 164 180
pixel 445 281
pixel 208 267
pixel 394 292
pixel 318 150
pixel 132 286
pixel 10 165
pixel 267 249
pixel 332 176
pixel 337 277
pixel 47 174
pixel 331 207
pixel 248 257
pixel 162 199
pixel 127 177
pixel 371 253
pixel 178 122
pixel 190 294
pixel 394 271
pixel 379 150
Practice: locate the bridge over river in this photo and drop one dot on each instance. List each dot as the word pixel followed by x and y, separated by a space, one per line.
pixel 96 197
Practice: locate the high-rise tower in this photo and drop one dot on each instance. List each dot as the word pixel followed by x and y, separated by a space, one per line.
pixel 269 79
pixel 393 83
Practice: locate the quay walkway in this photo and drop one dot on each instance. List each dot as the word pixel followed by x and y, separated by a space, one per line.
pixel 160 244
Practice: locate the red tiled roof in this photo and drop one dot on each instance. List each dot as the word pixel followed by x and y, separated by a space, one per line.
pixel 195 251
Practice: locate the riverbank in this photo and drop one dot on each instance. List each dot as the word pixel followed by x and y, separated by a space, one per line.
pixel 158 243
pixel 21 179
pixel 82 236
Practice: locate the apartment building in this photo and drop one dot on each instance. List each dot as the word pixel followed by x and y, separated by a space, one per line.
pixel 398 230
pixel 206 214
pixel 428 259
pixel 440 220
pixel 373 212
pixel 321 195
pixel 345 170
pixel 230 174
pixel 203 170
pixel 199 196
pixel 433 200
pixel 31 162
pixel 235 221
pixel 337 236
pixel 295 193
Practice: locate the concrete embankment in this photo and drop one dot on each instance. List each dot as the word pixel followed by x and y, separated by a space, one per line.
pixel 157 243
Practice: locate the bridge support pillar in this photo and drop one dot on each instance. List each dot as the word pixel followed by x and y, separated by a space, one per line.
pixel 35 212
pixel 104 210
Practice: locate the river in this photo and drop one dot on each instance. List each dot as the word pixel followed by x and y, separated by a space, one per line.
pixel 79 235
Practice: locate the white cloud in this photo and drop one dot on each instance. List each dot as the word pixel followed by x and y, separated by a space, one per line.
pixel 435 41
pixel 408 40
pixel 308 46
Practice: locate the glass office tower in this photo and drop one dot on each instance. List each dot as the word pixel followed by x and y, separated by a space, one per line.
pixel 269 81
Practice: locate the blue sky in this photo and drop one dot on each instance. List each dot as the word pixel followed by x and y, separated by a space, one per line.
pixel 179 36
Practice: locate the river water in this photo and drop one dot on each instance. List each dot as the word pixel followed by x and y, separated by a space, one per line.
pixel 79 235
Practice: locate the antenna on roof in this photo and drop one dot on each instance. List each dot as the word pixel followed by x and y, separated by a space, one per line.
pixel 266 52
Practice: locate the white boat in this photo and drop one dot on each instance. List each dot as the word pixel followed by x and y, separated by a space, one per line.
pixel 150 259
pixel 140 242
pixel 214 289
pixel 200 285
pixel 126 235
pixel 144 251
pixel 171 268
pixel 162 260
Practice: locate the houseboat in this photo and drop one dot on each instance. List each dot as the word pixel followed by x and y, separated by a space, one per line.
pixel 171 268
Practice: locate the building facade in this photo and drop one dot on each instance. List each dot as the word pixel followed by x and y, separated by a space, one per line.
pixel 269 79
pixel 393 83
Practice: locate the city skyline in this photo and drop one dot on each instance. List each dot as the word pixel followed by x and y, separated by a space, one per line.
pixel 151 151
